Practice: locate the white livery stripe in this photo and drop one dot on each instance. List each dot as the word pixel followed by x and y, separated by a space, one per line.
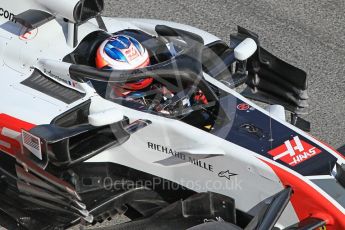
pixel 5 144
pixel 9 133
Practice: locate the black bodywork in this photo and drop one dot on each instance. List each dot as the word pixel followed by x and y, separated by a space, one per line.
pixel 271 79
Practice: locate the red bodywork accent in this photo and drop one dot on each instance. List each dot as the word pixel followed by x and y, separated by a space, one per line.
pixel 9 126
pixel 308 202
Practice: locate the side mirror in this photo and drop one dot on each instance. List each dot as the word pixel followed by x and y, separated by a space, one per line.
pixel 277 111
pixel 245 49
pixel 106 117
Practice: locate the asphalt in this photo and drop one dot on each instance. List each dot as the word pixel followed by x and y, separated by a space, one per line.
pixel 307 33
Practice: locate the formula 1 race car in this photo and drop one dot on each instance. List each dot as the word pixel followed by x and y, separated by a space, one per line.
pixel 184 151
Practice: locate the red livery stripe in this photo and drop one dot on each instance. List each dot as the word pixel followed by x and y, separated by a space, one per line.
pixel 308 202
pixel 10 133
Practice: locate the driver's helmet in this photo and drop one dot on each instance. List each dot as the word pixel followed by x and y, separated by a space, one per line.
pixel 122 52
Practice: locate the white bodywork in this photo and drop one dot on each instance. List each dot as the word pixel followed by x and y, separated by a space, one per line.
pixel 18 55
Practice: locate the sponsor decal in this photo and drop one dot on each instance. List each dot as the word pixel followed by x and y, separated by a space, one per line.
pixel 72 83
pixel 30 35
pixel 181 156
pixel 131 53
pixel 245 107
pixel 294 152
pixel 7 14
pixel 226 174
pixel 58 78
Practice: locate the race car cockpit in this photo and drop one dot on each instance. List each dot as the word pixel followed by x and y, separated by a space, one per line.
pixel 178 88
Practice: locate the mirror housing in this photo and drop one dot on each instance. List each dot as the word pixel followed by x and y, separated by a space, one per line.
pixel 76 11
pixel 245 49
pixel 106 117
